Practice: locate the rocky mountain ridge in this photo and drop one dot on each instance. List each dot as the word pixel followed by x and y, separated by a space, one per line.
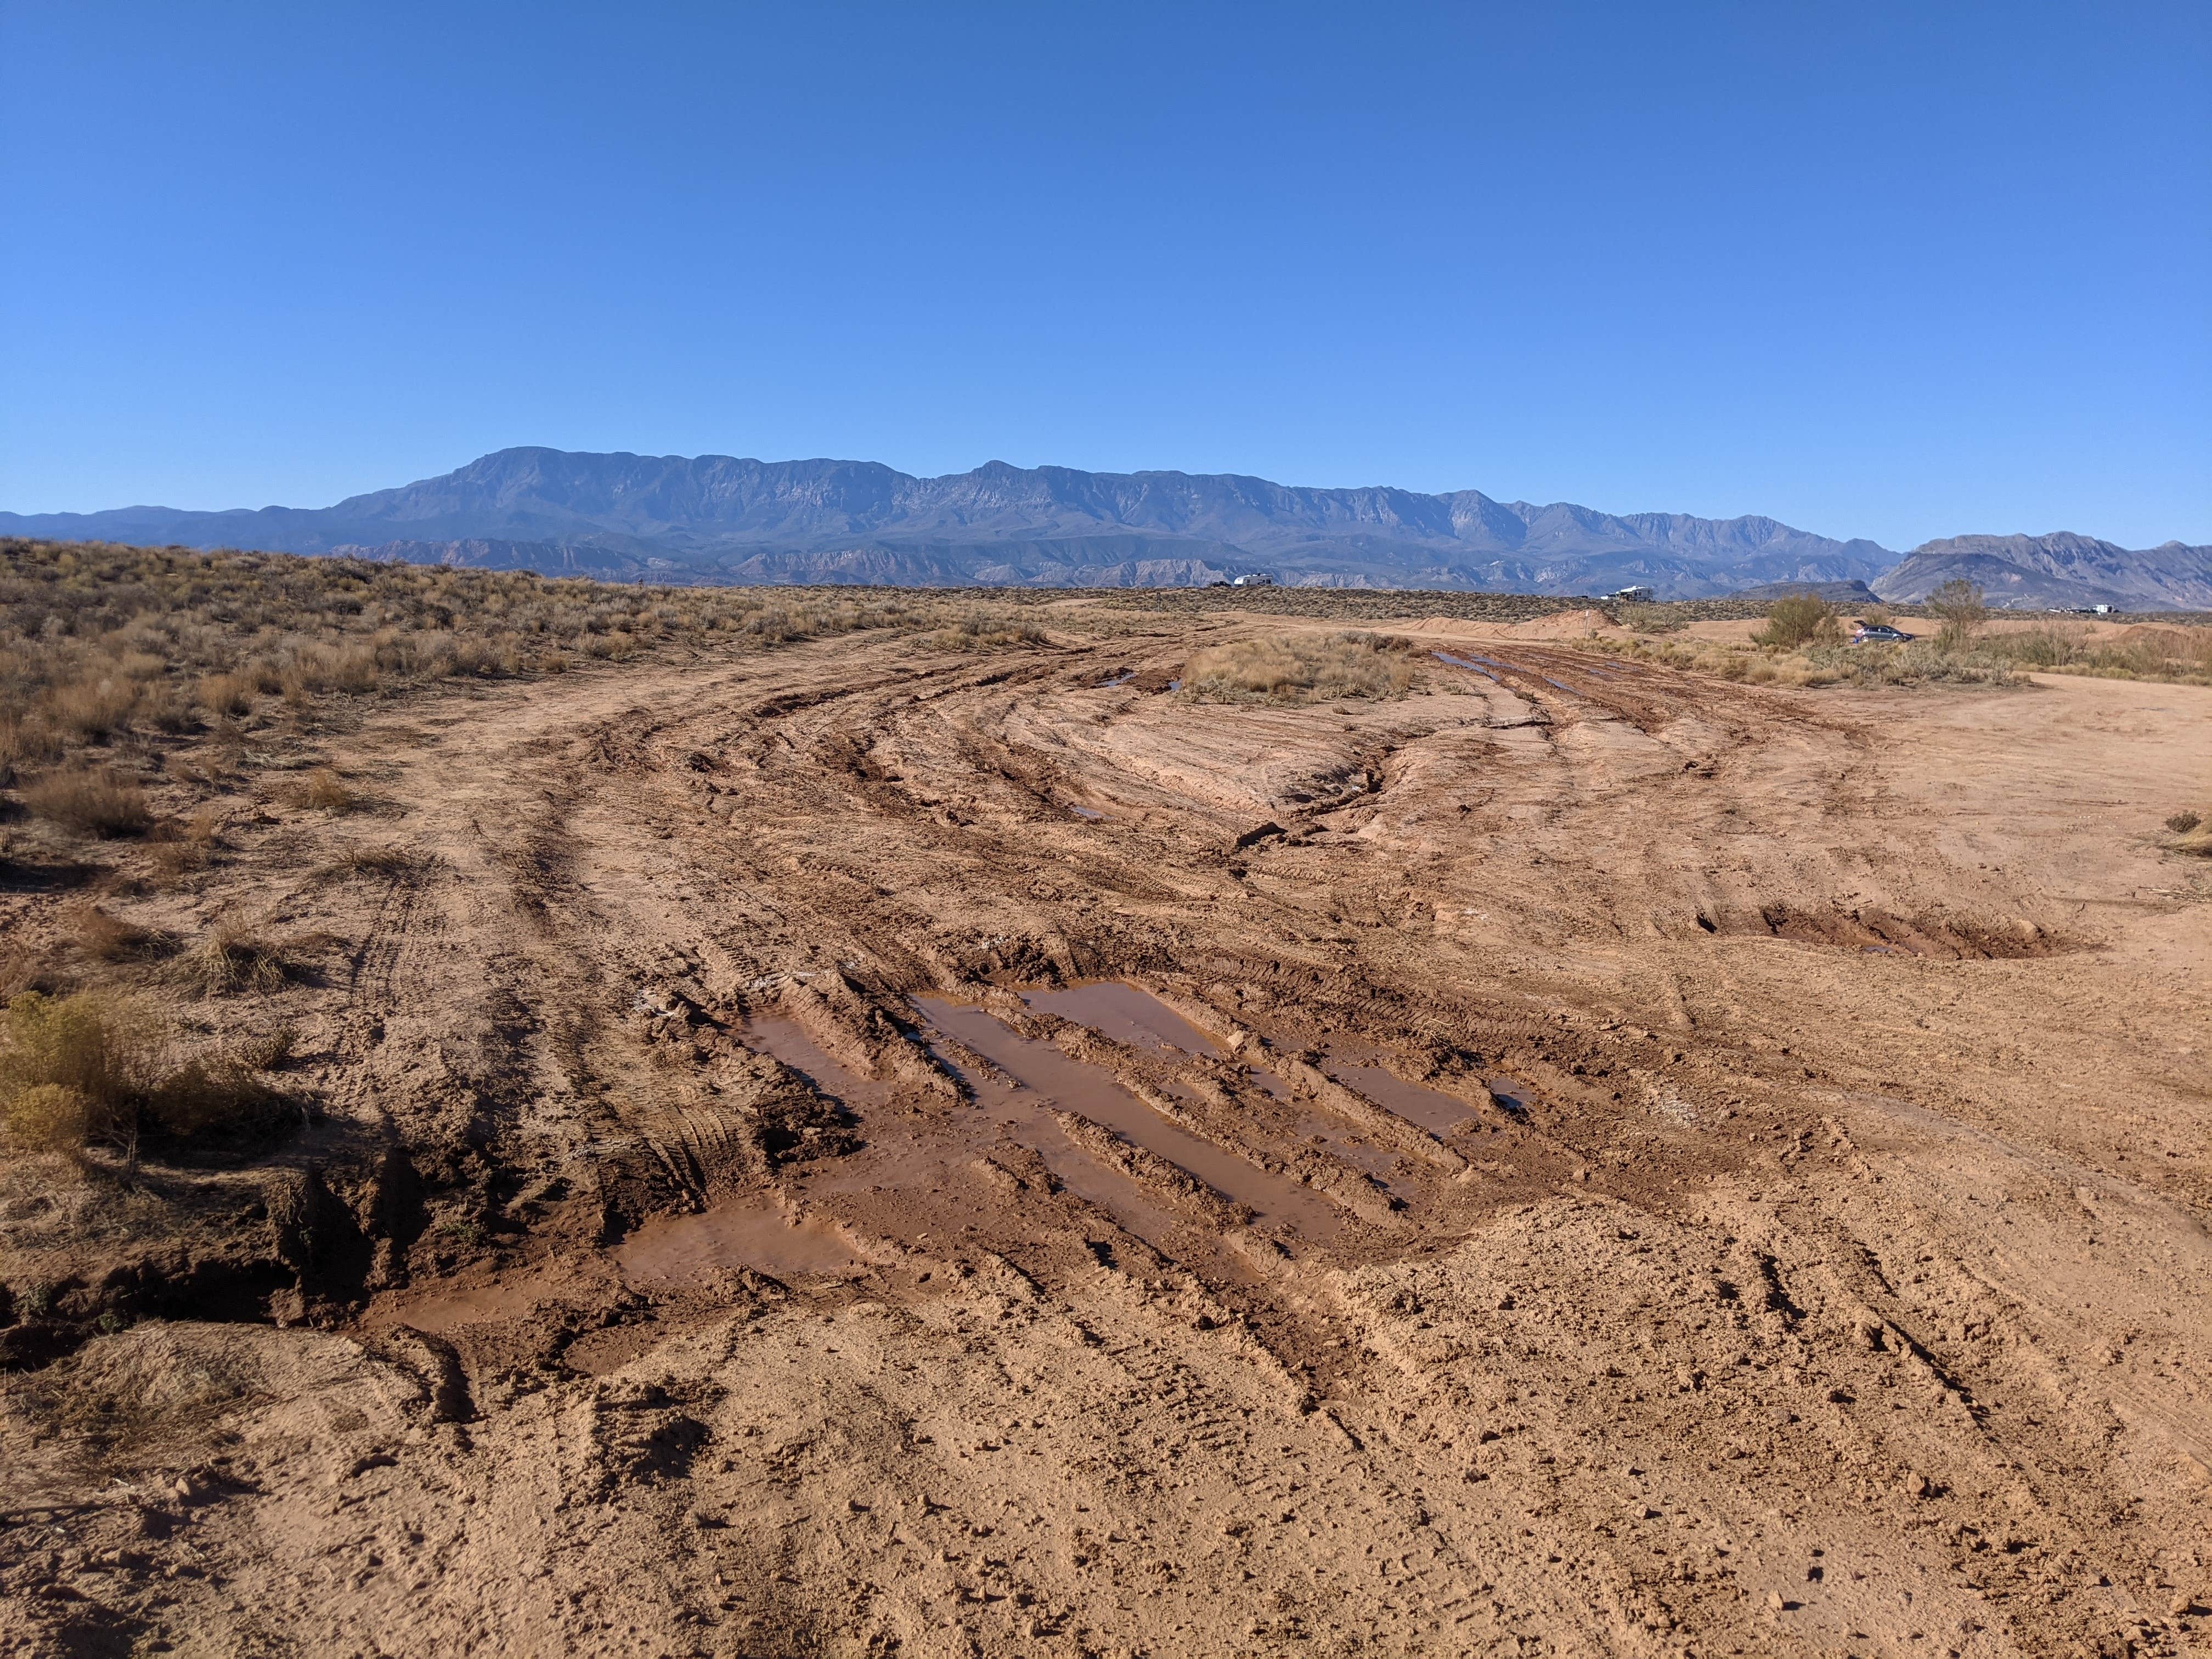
pixel 723 519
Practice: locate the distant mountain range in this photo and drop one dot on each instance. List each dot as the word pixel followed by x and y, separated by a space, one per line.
pixel 717 519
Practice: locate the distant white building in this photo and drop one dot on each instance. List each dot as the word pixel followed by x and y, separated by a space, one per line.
pixel 1630 595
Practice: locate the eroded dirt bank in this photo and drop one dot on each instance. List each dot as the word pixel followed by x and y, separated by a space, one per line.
pixel 1584 1159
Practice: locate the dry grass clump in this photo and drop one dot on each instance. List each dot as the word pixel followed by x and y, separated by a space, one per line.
pixel 91 800
pixel 2192 833
pixel 89 710
pixel 176 855
pixel 326 791
pixel 2183 822
pixel 110 938
pixel 985 633
pixel 1301 668
pixel 225 696
pixel 230 960
pixel 89 1071
pixel 376 861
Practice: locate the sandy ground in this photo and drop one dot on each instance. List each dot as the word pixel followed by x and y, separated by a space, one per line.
pixel 862 1152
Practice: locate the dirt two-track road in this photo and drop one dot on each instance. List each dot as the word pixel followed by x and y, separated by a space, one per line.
pixel 861 1150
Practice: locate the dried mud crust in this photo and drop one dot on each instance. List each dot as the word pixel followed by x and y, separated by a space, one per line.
pixel 668 1272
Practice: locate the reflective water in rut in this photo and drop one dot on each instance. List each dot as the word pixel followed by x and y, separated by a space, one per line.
pixel 1126 1014
pixel 1094 1094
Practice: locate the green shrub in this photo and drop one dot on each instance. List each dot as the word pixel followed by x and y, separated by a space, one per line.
pixel 1800 619
pixel 1959 606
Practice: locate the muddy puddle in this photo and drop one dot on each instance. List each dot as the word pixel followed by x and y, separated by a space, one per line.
pixel 450 1308
pixel 756 1235
pixel 1482 665
pixel 1438 1113
pixel 1050 1079
pixel 786 1042
pixel 1122 1011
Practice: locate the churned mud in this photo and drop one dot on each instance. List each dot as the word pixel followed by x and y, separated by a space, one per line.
pixel 872 1150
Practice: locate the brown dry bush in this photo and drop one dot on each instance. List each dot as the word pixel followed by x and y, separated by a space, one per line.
pixel 86 1071
pixel 983 633
pixel 231 959
pixel 224 694
pixel 110 938
pixel 74 1071
pixel 1653 619
pixel 376 861
pixel 92 709
pixel 1301 668
pixel 93 801
pixel 2170 654
pixel 326 791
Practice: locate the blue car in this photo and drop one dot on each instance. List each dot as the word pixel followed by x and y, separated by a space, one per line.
pixel 1878 634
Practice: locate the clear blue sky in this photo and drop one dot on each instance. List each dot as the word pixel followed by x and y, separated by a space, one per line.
pixel 1898 270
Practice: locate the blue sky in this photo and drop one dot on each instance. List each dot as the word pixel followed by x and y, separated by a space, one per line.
pixel 1890 270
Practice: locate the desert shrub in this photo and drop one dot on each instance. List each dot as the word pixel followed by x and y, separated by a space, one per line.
pixel 2150 652
pixel 230 960
pixel 94 709
pixel 221 695
pixel 49 1117
pixel 1301 667
pixel 187 849
pixel 92 801
pixel 326 791
pixel 375 861
pixel 1959 607
pixel 1799 619
pixel 2040 647
pixel 86 1071
pixel 74 1071
pixel 2183 822
pixel 270 1051
pixel 110 938
pixel 206 1099
pixel 19 743
pixel 1653 619
pixel 983 633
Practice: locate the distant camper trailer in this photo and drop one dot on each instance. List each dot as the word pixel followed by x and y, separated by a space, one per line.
pixel 1630 595
pixel 1255 580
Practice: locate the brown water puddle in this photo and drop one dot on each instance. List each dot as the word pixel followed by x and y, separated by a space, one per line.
pixel 735 1234
pixel 1122 1011
pixel 786 1042
pixel 1440 1114
pixel 1091 1093
pixel 450 1308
